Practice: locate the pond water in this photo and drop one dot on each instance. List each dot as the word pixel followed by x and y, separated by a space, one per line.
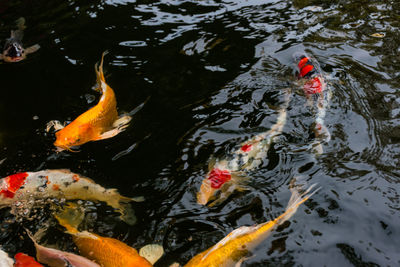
pixel 213 73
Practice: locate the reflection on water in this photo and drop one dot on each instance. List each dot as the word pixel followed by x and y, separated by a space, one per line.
pixel 214 72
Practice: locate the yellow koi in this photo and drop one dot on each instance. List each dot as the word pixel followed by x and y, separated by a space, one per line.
pixel 99 122
pixel 237 244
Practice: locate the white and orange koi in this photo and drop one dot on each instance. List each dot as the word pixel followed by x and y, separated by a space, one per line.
pixel 61 184
pixel 98 123
pixel 226 175
pixel 318 96
pixel 236 246
pixel 13 50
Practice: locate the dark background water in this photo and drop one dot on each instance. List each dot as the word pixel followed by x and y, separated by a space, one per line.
pixel 214 72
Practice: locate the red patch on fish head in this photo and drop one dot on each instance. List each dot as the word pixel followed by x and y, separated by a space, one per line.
pixel 302 62
pixel 219 177
pixel 313 86
pixel 246 147
pixel 14 182
pixel 23 260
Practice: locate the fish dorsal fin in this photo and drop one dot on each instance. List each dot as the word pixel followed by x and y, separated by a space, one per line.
pixel 152 252
pixel 232 235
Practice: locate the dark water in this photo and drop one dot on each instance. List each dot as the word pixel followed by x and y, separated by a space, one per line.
pixel 214 72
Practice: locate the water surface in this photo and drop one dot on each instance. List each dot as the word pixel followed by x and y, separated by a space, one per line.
pixel 215 72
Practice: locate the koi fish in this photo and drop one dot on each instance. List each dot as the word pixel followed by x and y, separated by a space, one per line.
pixel 233 249
pixel 47 184
pixel 54 257
pixel 5 260
pixel 13 50
pixel 23 260
pixel 226 175
pixel 98 123
pixel 315 89
pixel 106 251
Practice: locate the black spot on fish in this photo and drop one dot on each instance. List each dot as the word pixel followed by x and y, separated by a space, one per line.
pixel 86 187
pixel 67 184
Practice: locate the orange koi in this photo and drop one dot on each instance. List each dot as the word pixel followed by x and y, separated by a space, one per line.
pixel 106 251
pixel 236 245
pixel 98 123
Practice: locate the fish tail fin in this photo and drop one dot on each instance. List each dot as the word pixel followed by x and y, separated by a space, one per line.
pixel 20 22
pixel 70 217
pixel 99 68
pixel 99 71
pixel 125 208
pixel 295 201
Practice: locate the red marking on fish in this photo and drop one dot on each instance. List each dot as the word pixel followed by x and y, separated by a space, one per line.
pixel 219 177
pixel 75 178
pixel 302 62
pixel 246 147
pixel 313 86
pixel 305 70
pixel 23 260
pixel 56 187
pixel 14 182
pixel 47 178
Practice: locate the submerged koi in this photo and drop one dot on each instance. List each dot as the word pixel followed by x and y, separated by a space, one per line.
pixel 236 245
pixel 55 257
pixel 13 50
pixel 106 251
pixel 226 175
pixel 315 89
pixel 98 123
pixel 23 260
pixel 22 187
pixel 5 260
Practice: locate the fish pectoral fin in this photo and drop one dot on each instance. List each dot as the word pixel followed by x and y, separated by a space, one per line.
pixel 119 126
pixel 239 263
pixel 108 134
pixel 122 122
pixel 240 179
pixel 32 49
pixel 152 252
pixel 57 125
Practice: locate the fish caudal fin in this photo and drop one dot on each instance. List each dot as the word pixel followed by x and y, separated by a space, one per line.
pixel 71 217
pixel 99 71
pixel 295 201
pixel 152 252
pixel 20 23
